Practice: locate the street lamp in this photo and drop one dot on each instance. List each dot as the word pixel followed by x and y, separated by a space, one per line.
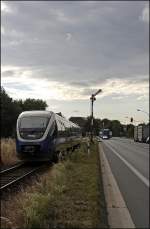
pixel 92 98
pixel 143 112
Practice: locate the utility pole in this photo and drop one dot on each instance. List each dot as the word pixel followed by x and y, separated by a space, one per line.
pixel 92 98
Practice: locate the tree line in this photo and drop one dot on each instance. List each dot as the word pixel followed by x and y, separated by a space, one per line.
pixel 118 129
pixel 10 109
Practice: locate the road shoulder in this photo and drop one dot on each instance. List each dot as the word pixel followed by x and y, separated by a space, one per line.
pixel 118 213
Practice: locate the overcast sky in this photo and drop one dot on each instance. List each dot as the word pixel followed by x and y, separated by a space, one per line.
pixel 62 52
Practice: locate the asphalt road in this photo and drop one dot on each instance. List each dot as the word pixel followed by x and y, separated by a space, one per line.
pixel 129 162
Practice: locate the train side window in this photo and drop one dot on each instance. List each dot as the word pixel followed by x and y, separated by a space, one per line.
pixel 55 130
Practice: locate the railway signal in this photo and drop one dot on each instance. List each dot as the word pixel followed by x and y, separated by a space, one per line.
pixel 93 98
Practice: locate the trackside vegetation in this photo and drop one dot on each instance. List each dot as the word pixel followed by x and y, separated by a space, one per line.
pixel 8 154
pixel 69 195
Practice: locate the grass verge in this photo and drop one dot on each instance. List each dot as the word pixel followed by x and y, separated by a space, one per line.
pixel 8 151
pixel 68 196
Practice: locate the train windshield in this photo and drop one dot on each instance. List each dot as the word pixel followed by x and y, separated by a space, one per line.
pixel 34 122
pixel 106 132
pixel 33 127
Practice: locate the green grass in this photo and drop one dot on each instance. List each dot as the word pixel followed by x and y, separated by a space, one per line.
pixel 71 197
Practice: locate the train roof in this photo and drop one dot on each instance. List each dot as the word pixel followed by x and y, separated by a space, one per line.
pixel 47 114
pixel 63 119
pixel 36 113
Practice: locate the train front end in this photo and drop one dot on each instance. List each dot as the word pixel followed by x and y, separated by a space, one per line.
pixel 33 141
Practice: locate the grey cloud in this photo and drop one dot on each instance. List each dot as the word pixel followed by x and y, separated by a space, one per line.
pixel 145 80
pixel 108 40
pixel 8 73
pixel 79 84
pixel 19 86
pixel 76 111
pixel 87 84
pixel 88 91
pixel 138 80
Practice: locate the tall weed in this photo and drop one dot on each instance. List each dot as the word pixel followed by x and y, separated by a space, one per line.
pixel 8 151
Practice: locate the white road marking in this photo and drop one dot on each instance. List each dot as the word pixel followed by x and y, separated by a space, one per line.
pixel 135 171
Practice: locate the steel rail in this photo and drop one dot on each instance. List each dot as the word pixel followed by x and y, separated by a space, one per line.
pixel 11 168
pixel 19 178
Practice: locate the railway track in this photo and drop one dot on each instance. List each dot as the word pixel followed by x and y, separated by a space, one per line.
pixel 16 173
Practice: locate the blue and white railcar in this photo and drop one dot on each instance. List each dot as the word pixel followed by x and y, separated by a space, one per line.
pixel 43 135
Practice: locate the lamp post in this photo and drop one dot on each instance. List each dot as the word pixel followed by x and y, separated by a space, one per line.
pixel 92 98
pixel 143 112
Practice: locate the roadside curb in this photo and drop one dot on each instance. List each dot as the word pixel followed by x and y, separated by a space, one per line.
pixel 118 213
